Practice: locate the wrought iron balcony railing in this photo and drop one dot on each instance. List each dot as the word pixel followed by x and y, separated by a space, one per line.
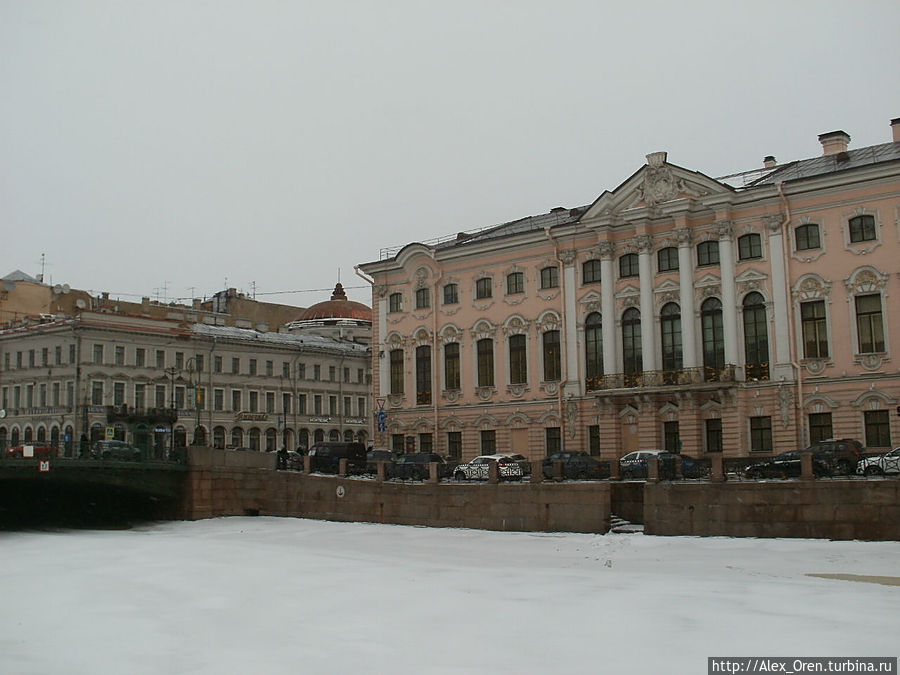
pixel 661 378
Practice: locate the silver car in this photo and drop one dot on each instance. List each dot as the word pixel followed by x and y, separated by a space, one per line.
pixel 479 468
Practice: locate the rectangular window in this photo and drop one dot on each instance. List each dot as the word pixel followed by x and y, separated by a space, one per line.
pixel 179 397
pixel 629 265
pixel 286 403
pixel 118 393
pixel 395 302
pixel 301 371
pixel 361 406
pixel 31 358
pixel 454 444
pixel 140 357
pixel 332 405
pixel 552 362
pixel 485 352
pixel 179 360
pixel 301 404
pixel 71 355
pixel 590 272
pixel 45 356
pixel 425 443
pixel 397 442
pixel 217 364
pixel 518 365
pixel 218 400
pixel 29 395
pixel 58 354
pixel 254 401
pixel 160 358
pixel 42 395
pixel 70 394
pixel 515 283
pixel 488 442
pixel 708 253
pixel 360 375
pixel 96 393
pixel 198 362
pixel 332 374
pixel 140 396
pixel 348 410
pixel 553 440
pixel 317 404
pixel 98 354
pixel 451 365
pixel 761 434
pixel 819 427
pixel 159 396
pixel 423 375
pixel 869 323
pixel 483 289
pixel 713 435
pixel 862 228
pixel 878 429
pixel 270 368
pixel 671 437
pixel 749 247
pixel 251 367
pixel 815 333
pixel 317 372
pixel 235 366
pixel 200 398
pixel 347 375
pixel 396 366
pixel 594 440
pixel 286 370
pixel 550 277
pixel 120 355
pixel 270 402
pixel 235 400
pixel 806 237
pixel 451 294
pixel 667 259
pixel 55 399
pixel 423 298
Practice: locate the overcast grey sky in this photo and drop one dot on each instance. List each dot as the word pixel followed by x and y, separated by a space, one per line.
pixel 163 144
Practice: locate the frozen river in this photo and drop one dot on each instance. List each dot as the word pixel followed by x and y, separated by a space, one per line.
pixel 269 595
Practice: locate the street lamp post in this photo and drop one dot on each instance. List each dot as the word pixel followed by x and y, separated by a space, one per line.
pixel 171 372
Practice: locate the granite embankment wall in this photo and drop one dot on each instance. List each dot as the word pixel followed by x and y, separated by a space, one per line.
pixel 227 483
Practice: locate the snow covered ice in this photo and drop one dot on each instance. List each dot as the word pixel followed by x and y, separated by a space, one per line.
pixel 281 595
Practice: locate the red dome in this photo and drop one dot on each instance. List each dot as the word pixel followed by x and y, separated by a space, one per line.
pixel 339 307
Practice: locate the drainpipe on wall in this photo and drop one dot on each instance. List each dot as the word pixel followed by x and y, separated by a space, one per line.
pixel 434 350
pixel 562 338
pixel 801 425
pixel 375 340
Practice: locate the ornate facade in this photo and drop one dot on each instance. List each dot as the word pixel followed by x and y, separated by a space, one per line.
pixel 749 313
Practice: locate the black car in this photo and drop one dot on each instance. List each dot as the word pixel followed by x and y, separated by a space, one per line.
pixel 117 450
pixel 636 467
pixel 326 457
pixel 415 466
pixel 787 465
pixel 378 455
pixel 841 455
pixel 575 465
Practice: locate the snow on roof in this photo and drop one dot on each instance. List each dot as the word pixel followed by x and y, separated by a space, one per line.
pixel 284 339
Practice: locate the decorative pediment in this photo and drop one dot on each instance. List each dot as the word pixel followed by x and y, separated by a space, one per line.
pixel 591 301
pixel 654 184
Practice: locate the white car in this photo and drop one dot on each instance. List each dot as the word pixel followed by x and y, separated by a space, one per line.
pixel 880 465
pixel 479 468
pixel 634 464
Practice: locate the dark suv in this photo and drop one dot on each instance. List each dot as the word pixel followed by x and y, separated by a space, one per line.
pixel 326 457
pixel 576 465
pixel 117 450
pixel 840 455
pixel 415 466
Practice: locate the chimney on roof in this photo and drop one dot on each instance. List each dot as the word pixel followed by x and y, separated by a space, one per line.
pixel 834 142
pixel 895 127
pixel 769 162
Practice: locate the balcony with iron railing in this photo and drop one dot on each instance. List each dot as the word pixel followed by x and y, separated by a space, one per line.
pixel 662 378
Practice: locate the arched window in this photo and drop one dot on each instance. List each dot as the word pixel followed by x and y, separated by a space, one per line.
pixel 518 363
pixel 318 436
pixel 304 439
pixel 271 439
pixel 219 437
pixel 29 434
pixel 631 346
pixel 396 371
pixel 348 435
pixel 254 439
pixel 552 360
pixel 670 325
pixel 334 435
pixel 862 228
pixel 713 338
pixel 756 338
pixel 593 350
pixel 423 375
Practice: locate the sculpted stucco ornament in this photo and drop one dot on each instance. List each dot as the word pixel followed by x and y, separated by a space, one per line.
pixel 607 249
pixel 567 256
pixel 725 229
pixel 572 417
pixel 660 183
pixel 643 243
pixel 774 223
pixel 683 236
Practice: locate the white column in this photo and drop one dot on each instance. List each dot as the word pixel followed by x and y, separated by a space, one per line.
pixel 686 297
pixel 729 301
pixel 780 300
pixel 574 385
pixel 648 329
pixel 608 307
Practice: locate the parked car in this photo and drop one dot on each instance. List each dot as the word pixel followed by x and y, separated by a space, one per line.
pixel 294 461
pixel 634 464
pixel 522 461
pixel 376 455
pixel 26 451
pixel 415 466
pixel 326 457
pixel 786 465
pixel 880 465
pixel 116 450
pixel 479 468
pixel 840 454
pixel 575 465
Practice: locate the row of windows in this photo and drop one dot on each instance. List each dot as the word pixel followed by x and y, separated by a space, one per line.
pixel 195 363
pixel 806 237
pixel 44 395
pixel 869 326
